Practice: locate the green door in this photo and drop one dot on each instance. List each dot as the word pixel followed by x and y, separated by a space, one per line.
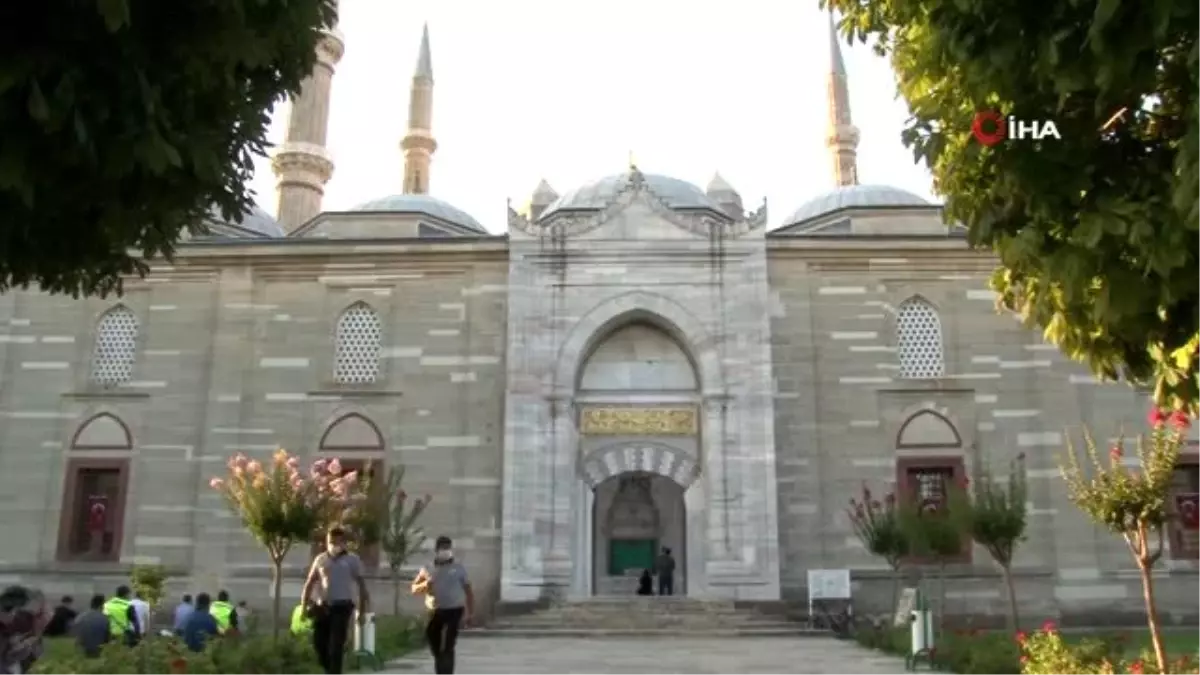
pixel 630 555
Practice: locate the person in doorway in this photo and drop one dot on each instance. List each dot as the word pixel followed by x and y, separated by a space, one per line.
pixel 223 612
pixel 182 611
pixel 645 583
pixel 64 614
pixel 142 608
pixel 122 618
pixel 339 575
pixel 451 602
pixel 665 566
pixel 201 625
pixel 91 629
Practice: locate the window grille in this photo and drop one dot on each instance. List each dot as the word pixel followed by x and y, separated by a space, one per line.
pixel 357 345
pixel 919 341
pixel 116 347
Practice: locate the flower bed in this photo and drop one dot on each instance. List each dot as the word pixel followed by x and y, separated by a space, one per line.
pixel 1044 651
pixel 394 637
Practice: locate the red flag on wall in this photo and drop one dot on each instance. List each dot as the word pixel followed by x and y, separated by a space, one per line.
pixel 97 513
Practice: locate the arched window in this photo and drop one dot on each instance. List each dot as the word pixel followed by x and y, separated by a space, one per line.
pixel 116 347
pixel 357 345
pixel 919 340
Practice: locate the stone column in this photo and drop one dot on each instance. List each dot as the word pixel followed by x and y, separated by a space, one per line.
pixel 712 431
pixel 559 496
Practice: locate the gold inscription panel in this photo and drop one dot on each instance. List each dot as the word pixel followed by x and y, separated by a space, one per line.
pixel 638 421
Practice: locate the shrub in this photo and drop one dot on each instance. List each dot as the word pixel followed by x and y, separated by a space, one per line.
pixel 995 519
pixel 1133 504
pixel 280 506
pixel 1046 652
pixel 878 527
pixel 937 531
pixel 169 655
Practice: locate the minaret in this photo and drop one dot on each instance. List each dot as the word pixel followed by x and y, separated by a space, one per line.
pixel 418 144
pixel 302 164
pixel 842 139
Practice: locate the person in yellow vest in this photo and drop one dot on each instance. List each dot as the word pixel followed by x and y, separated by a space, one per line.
pixel 224 613
pixel 301 623
pixel 122 618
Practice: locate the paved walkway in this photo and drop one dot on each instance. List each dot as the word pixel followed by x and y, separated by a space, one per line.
pixel 657 655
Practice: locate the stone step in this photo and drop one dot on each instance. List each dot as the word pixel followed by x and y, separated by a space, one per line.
pixel 637 626
pixel 791 632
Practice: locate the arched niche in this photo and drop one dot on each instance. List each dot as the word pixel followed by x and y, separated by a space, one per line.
pixel 638 356
pixel 351 431
pixel 928 429
pixel 102 431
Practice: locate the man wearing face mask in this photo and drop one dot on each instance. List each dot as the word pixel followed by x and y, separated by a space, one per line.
pixel 338 573
pixel 450 601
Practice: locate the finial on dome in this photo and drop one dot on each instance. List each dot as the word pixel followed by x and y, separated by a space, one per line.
pixel 719 184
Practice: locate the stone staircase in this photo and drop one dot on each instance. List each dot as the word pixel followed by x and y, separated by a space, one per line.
pixel 633 616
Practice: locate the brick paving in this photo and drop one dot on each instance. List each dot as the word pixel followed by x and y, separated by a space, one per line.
pixel 657 655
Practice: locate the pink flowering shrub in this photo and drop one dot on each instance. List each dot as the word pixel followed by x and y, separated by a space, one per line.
pixel 1046 652
pixel 280 504
pixel 1133 503
pixel 877 525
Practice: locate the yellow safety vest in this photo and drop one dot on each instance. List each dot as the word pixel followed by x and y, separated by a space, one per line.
pixel 300 624
pixel 117 611
pixel 222 611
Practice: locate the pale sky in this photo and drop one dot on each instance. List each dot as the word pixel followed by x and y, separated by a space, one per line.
pixel 532 89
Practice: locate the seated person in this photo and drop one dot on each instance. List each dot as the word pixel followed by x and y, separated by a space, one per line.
pixel 645 584
pixel 201 625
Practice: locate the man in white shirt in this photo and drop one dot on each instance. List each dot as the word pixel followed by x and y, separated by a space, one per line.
pixel 142 608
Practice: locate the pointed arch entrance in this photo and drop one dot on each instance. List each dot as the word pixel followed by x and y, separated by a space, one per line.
pixel 638 456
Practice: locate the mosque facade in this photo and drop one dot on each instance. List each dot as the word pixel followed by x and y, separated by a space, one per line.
pixel 635 363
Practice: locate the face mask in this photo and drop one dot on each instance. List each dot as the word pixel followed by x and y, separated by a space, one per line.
pixel 444 555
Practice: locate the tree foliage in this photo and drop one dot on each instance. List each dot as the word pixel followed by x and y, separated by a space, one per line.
pixel 1096 232
pixel 996 516
pixel 123 121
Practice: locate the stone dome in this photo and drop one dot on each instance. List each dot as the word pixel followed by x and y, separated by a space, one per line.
pixel 677 194
pixel 255 221
pixel 854 196
pixel 423 204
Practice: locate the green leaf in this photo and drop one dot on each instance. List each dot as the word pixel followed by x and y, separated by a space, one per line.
pixel 115 13
pixel 39 110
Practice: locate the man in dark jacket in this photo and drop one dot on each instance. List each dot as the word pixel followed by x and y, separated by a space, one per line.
pixel 665 566
pixel 60 623
pixel 91 628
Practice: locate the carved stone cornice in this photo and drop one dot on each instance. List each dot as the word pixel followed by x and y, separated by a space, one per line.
pixel 305 163
pixel 574 223
pixel 330 48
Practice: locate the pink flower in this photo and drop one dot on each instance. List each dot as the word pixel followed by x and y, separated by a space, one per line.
pixel 1179 420
pixel 350 478
pixel 280 456
pixel 1115 453
pixel 1156 417
pixel 1021 637
pixel 216 483
pixel 254 467
pixel 335 467
pixel 1049 626
pixel 293 463
pixel 1137 668
pixel 238 460
pixel 238 471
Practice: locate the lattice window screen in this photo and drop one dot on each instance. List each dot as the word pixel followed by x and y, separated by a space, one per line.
pixel 929 486
pixel 919 341
pixel 357 346
pixel 116 347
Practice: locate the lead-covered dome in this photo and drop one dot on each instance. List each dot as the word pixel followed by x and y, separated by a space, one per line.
pixel 675 193
pixel 422 204
pixel 855 196
pixel 255 223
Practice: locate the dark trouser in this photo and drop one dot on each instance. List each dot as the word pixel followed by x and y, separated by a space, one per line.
pixel 442 633
pixel 331 628
pixel 666 584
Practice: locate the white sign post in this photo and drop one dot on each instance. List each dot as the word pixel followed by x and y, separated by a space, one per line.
pixel 827 585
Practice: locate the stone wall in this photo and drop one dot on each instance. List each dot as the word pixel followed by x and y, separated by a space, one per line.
pixel 840 403
pixel 235 353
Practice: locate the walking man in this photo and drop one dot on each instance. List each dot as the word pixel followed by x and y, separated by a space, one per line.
pixel 665 566
pixel 338 574
pixel 449 598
